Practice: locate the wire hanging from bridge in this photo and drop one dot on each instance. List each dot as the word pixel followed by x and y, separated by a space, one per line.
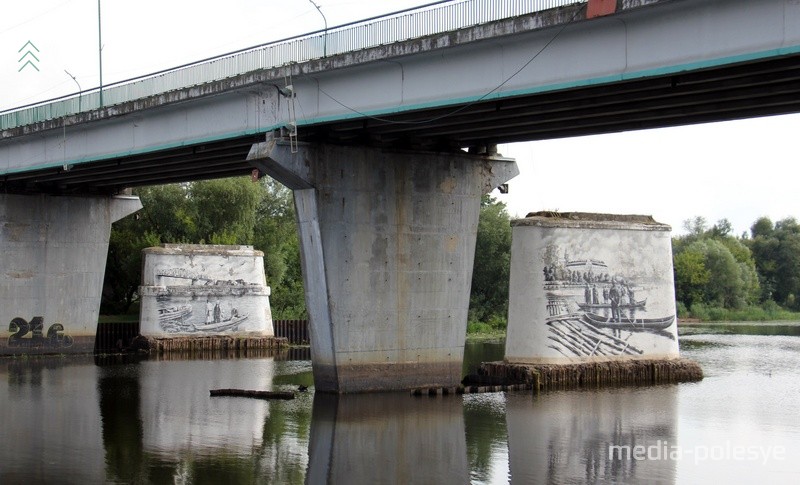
pixel 460 108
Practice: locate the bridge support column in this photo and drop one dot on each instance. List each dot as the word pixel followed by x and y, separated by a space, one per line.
pixel 387 243
pixel 52 264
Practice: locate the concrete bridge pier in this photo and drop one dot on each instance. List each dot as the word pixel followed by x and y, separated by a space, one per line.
pixel 387 244
pixel 52 263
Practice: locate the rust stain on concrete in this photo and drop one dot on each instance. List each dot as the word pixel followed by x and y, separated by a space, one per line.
pixel 448 185
pixel 451 244
pixel 13 231
pixel 20 274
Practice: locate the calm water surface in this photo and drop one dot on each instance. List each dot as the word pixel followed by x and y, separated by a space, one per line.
pixel 82 420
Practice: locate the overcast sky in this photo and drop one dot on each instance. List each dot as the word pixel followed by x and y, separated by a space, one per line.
pixel 738 170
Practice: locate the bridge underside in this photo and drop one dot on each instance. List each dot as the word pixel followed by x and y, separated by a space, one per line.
pixel 735 91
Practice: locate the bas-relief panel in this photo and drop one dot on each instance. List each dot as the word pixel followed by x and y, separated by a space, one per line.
pixel 607 293
pixel 215 306
pixel 204 292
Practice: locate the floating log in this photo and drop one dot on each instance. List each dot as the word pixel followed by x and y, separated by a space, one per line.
pixel 255 394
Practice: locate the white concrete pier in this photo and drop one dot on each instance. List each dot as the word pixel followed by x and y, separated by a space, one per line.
pixel 590 288
pixel 204 289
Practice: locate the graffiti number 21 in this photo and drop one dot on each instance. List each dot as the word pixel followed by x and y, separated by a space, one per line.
pixel 19 328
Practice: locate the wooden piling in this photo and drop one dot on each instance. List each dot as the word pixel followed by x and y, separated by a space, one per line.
pixel 596 374
pixel 189 345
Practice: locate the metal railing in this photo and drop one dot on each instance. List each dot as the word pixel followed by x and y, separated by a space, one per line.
pixel 295 331
pixel 433 18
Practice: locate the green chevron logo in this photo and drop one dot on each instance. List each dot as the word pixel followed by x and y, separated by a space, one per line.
pixel 28 57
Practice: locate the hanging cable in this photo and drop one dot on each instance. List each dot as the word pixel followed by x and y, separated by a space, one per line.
pixel 464 107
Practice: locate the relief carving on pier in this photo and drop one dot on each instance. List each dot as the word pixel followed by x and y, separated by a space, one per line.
pixel 203 290
pixel 219 315
pixel 594 310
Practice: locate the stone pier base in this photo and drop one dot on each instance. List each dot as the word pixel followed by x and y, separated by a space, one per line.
pixel 594 374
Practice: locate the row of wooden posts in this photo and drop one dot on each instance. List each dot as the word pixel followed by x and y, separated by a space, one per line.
pixel 114 337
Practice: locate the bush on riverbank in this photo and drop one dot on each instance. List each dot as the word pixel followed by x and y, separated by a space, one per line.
pixel 768 311
pixel 481 330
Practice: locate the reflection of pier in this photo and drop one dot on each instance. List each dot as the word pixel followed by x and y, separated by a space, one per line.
pixel 406 440
pixel 561 437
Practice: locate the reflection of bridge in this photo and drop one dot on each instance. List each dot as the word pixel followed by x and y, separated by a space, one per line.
pixel 371 139
pixel 138 422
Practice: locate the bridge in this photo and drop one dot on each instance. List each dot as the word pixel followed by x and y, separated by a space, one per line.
pixel 385 130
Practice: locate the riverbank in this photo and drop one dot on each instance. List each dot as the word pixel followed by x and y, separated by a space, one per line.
pixel 766 313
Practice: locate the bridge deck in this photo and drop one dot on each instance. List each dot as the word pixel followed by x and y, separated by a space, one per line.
pixel 656 85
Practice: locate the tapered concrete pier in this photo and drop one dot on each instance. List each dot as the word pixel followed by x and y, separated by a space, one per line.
pixel 387 244
pixel 52 264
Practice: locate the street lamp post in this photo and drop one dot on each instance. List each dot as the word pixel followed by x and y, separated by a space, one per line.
pixel 325 32
pixel 100 50
pixel 80 91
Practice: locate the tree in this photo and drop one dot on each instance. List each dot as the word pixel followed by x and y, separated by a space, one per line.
pixel 165 212
pixel 275 234
pixel 691 277
pixel 776 250
pixel 274 231
pixel 489 295
pixel 224 211
pixel 725 286
pixel 714 267
pixel 124 265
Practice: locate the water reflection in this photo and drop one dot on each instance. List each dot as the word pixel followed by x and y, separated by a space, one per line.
pixel 564 437
pixel 486 437
pixel 71 419
pixel 49 420
pixel 120 414
pixel 159 423
pixel 387 438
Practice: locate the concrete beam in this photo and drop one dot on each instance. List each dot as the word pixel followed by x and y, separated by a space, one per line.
pixel 388 240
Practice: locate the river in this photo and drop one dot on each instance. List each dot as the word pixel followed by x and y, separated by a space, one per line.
pixel 68 419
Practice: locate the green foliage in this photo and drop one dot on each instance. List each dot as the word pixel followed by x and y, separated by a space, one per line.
pixel 478 327
pixel 776 250
pixel 768 311
pixel 712 267
pixel 489 295
pixel 683 312
pixel 165 213
pixel 275 233
pixel 225 211
pixel 691 276
pixel 721 277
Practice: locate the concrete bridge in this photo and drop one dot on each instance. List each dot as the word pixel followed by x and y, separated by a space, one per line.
pixel 385 131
